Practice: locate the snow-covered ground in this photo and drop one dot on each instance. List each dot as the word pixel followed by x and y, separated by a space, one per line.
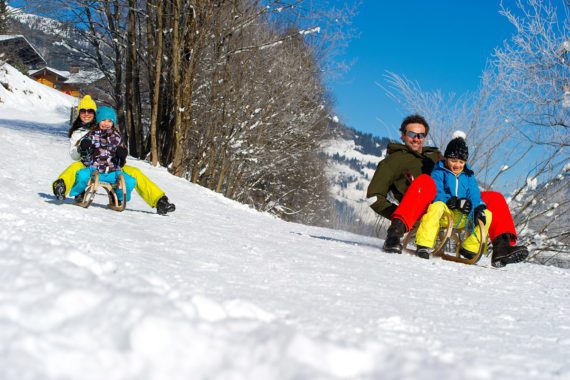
pixel 216 290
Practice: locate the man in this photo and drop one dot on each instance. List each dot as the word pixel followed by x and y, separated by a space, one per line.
pixel 405 174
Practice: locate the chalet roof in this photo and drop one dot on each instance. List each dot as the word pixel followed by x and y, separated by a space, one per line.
pixel 81 77
pixel 15 47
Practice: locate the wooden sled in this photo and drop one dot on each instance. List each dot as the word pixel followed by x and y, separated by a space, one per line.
pixel 94 184
pixel 448 242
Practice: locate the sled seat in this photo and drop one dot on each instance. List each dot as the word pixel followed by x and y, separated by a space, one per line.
pixel 94 184
pixel 448 243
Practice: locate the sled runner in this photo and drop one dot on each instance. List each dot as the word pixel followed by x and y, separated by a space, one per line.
pixel 94 184
pixel 449 241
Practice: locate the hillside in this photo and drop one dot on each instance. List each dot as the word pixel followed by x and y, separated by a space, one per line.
pixel 55 41
pixel 353 157
pixel 217 290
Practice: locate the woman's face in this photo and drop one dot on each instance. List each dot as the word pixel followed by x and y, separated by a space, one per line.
pixel 86 116
pixel 105 124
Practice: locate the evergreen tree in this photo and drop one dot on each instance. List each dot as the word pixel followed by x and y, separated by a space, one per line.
pixel 4 24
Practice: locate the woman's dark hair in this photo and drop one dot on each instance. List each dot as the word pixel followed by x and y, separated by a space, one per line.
pixel 79 124
pixel 414 119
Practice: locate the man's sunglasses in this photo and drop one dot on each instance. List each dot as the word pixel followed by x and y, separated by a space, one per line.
pixel 413 135
pixel 92 112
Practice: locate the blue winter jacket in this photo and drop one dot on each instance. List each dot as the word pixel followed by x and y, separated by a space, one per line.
pixel 462 186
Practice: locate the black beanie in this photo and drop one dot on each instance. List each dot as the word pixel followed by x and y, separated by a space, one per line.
pixel 457 148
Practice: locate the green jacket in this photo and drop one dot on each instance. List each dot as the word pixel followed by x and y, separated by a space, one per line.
pixel 396 172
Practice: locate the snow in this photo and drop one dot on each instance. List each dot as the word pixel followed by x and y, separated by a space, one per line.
pixel 61 73
pixel 217 290
pixel 353 193
pixel 347 148
pixel 4 37
pixel 82 76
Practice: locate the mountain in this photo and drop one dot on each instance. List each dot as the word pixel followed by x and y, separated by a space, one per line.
pixel 55 41
pixel 353 157
pixel 217 290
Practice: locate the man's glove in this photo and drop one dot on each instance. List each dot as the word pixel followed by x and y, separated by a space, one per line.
pixel 480 213
pixel 464 205
pixel 85 147
pixel 120 158
pixel 452 203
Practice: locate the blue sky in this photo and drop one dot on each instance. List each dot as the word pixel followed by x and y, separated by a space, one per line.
pixel 440 44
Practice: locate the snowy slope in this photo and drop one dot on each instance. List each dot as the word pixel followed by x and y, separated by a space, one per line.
pixel 219 291
pixel 349 185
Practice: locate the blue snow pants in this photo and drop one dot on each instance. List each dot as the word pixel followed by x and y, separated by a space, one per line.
pixel 83 175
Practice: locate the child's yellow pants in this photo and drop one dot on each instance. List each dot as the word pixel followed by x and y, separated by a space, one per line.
pixel 433 220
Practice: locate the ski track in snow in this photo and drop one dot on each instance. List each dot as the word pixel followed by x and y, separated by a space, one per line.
pixel 217 290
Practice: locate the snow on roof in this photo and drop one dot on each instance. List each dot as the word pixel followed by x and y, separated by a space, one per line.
pixel 83 76
pixel 4 37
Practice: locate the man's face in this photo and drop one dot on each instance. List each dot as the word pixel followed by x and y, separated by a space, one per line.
pixel 412 140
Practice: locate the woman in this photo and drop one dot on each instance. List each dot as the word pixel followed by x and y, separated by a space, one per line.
pixel 148 190
pixel 103 150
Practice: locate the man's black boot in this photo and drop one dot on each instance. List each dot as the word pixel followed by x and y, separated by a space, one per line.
pixel 59 189
pixel 395 232
pixel 504 253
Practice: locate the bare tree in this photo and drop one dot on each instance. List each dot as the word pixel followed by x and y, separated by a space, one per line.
pixel 532 72
pixel 474 113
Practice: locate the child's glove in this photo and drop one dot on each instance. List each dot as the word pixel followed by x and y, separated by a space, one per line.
pixel 120 158
pixel 480 213
pixel 85 147
pixel 452 203
pixel 464 205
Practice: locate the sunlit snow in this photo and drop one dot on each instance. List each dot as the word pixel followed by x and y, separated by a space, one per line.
pixel 217 290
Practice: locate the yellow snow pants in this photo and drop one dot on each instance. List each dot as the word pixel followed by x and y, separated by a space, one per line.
pixel 433 220
pixel 147 189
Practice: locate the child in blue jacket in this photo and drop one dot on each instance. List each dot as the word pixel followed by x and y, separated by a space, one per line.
pixel 104 150
pixel 458 194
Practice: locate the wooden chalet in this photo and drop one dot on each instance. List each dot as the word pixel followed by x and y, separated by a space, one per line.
pixel 70 82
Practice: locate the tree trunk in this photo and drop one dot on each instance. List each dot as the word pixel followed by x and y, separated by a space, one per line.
pixel 156 86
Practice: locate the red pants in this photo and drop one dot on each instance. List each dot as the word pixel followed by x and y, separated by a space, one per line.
pixel 422 192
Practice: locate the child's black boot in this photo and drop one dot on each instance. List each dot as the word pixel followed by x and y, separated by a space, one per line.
pixel 422 252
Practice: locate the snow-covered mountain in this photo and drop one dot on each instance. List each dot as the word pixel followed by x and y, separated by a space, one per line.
pixel 217 290
pixel 353 157
pixel 55 41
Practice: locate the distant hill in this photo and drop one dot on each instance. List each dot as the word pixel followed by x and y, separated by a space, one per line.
pixel 353 157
